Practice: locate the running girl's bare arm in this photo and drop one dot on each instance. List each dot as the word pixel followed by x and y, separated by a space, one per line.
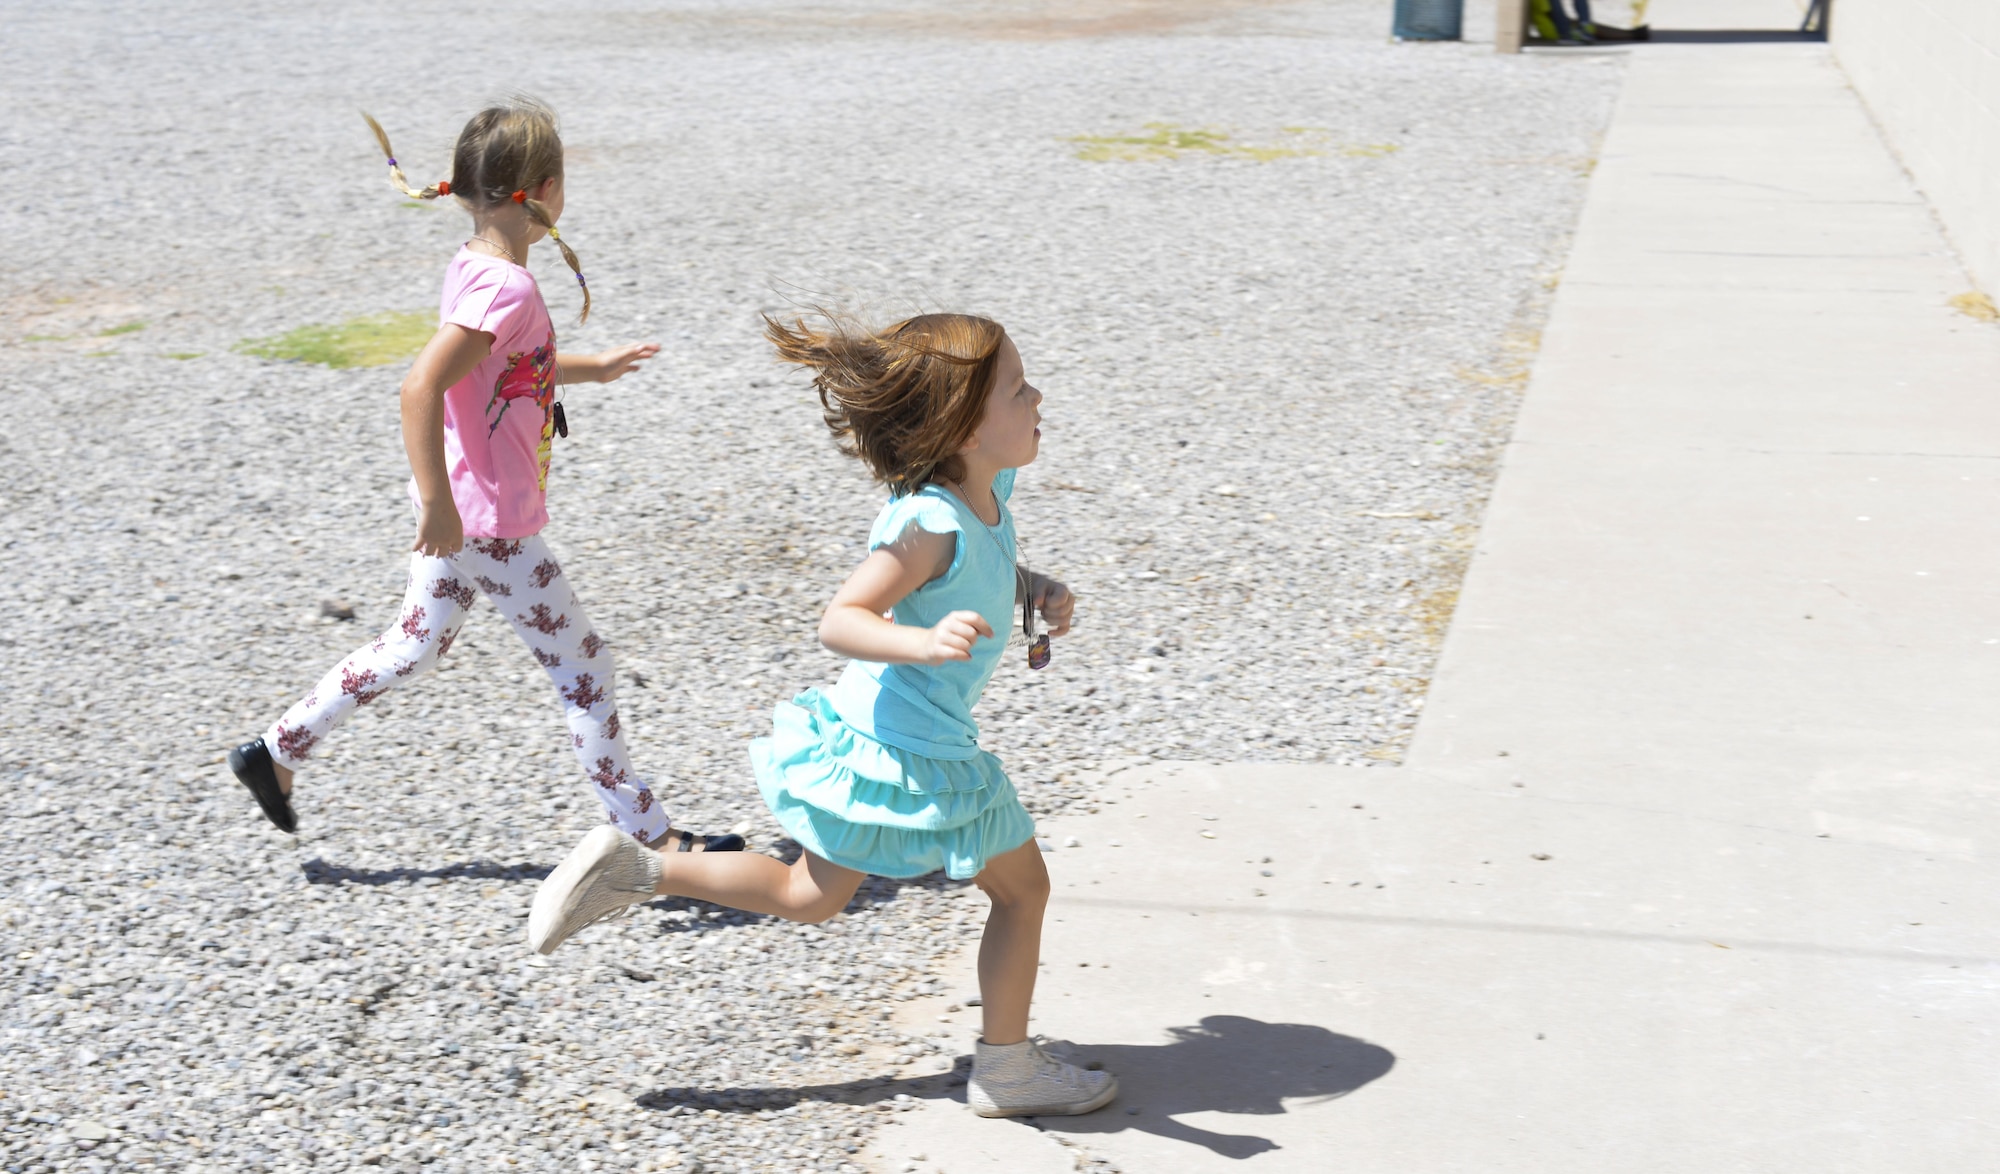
pixel 855 625
pixel 605 366
pixel 448 357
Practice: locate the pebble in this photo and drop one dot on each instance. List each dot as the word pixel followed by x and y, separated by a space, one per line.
pixel 1337 339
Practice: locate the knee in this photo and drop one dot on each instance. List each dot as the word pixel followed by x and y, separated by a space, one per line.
pixel 818 914
pixel 417 643
pixel 416 657
pixel 816 911
pixel 1024 893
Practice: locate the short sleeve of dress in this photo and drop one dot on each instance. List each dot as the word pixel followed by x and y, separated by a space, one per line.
pixel 925 511
pixel 490 301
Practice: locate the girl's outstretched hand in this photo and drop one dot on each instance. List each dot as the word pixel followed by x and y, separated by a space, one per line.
pixel 624 360
pixel 440 532
pixel 1055 603
pixel 605 366
pixel 952 638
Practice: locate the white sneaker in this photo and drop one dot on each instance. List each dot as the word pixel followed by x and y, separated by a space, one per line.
pixel 1021 1080
pixel 600 878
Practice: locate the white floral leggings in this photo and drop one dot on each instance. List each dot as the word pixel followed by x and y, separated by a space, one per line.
pixel 524 582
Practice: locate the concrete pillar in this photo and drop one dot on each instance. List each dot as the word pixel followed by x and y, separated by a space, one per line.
pixel 1510 26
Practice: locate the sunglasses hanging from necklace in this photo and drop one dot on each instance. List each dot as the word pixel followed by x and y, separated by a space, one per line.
pixel 560 419
pixel 1037 645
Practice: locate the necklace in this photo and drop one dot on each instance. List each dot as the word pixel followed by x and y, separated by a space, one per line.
pixel 1038 645
pixel 561 418
pixel 497 245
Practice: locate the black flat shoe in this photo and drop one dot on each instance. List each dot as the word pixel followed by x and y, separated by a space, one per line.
pixel 684 842
pixel 252 764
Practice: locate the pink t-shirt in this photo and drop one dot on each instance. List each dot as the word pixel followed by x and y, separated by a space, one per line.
pixel 499 420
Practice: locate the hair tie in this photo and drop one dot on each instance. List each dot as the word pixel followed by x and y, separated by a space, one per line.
pixel 520 197
pixel 444 187
pixel 392 160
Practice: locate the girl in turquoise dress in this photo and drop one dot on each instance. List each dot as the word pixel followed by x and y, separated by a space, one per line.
pixel 882 772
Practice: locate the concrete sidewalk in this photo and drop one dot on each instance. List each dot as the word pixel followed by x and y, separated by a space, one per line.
pixel 1691 867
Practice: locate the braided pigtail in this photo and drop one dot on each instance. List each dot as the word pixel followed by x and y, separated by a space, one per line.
pixel 504 152
pixel 397 179
pixel 540 215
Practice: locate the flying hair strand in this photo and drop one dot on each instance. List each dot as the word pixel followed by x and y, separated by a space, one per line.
pixel 903 400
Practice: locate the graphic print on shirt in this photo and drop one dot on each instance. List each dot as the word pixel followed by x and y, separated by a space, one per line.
pixel 528 375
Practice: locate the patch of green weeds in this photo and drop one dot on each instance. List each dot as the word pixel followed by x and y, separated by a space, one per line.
pixel 414 204
pixel 1164 140
pixel 368 341
pixel 46 338
pixel 184 355
pixel 127 328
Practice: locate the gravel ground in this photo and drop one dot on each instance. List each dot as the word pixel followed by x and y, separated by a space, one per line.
pixel 1276 380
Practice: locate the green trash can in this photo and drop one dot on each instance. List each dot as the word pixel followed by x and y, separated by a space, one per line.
pixel 1430 20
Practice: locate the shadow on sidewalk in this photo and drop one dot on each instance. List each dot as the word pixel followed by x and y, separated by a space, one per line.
pixel 1226 1064
pixel 1733 37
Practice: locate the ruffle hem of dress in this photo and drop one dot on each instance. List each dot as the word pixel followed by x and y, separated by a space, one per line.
pixel 879 809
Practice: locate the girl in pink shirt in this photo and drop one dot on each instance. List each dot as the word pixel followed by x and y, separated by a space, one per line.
pixel 479 418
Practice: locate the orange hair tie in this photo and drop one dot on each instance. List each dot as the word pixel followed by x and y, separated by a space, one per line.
pixel 444 187
pixel 520 197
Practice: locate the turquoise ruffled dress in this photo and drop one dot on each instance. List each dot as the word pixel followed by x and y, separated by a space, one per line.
pixel 882 771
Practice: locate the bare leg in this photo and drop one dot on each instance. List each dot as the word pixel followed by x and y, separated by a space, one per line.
pixel 284 774
pixel 1011 948
pixel 810 890
pixel 670 841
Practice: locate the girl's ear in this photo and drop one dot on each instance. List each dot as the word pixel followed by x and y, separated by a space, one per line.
pixel 544 189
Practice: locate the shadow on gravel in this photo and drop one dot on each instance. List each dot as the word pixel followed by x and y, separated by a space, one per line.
pixel 319 872
pixel 875 890
pixel 1226 1064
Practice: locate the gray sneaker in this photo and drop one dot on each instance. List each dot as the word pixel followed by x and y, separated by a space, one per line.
pixel 601 878
pixel 1021 1080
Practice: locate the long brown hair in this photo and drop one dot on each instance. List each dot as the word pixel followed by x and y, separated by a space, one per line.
pixel 905 399
pixel 505 151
